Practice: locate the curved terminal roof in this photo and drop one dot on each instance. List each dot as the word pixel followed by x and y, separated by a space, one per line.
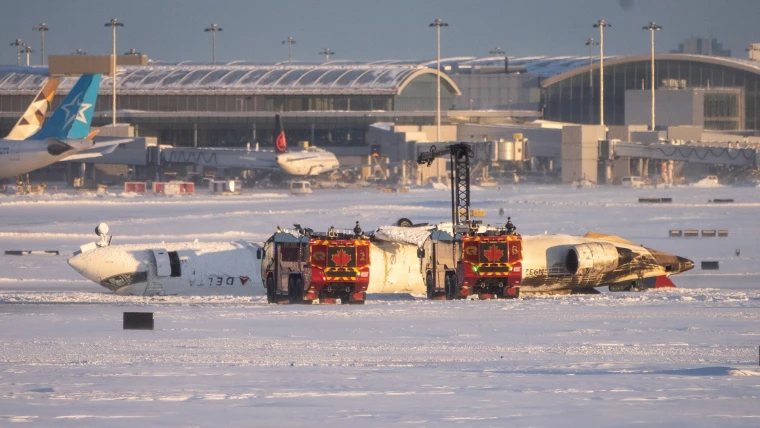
pixel 741 64
pixel 333 78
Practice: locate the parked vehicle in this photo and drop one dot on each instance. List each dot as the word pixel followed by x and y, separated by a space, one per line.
pixel 300 187
pixel 632 182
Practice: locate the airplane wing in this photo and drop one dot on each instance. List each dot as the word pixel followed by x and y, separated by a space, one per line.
pixel 611 238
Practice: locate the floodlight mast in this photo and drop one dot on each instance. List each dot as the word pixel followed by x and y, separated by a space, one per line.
pixel 438 23
pixel 18 43
pixel 114 23
pixel 290 42
pixel 652 27
pixel 601 25
pixel 28 50
pixel 213 29
pixel 591 43
pixel 327 52
pixel 42 28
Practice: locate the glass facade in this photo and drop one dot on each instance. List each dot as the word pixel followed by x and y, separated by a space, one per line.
pixel 576 98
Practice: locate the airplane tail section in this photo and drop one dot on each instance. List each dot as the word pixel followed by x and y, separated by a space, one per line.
pixel 34 116
pixel 72 119
pixel 280 144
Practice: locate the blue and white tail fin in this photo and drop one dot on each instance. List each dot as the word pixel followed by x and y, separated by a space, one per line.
pixel 71 120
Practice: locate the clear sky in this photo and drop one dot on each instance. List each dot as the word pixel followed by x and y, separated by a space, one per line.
pixel 172 30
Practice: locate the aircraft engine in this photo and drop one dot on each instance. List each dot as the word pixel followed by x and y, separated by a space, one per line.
pixel 592 258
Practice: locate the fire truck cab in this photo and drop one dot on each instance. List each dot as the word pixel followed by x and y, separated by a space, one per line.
pixel 482 261
pixel 490 265
pixel 302 266
pixel 439 255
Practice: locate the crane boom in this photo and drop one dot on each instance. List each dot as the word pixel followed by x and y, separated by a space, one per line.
pixel 460 155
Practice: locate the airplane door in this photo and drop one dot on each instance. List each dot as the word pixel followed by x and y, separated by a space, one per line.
pixel 15 154
pixel 163 264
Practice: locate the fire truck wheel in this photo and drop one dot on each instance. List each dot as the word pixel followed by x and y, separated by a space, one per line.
pixel 429 285
pixel 299 291
pixel 270 290
pixel 451 287
pixel 292 298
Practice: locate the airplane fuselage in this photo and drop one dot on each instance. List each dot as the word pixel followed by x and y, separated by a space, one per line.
pixel 307 162
pixel 544 266
pixel 550 263
pixel 194 269
pixel 22 156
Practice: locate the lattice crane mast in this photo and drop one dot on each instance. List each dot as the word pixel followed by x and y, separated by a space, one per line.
pixel 460 155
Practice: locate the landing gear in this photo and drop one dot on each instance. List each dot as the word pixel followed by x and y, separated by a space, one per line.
pixel 404 222
pixel 633 286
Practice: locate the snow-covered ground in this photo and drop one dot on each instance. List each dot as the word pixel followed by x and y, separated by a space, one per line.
pixel 682 357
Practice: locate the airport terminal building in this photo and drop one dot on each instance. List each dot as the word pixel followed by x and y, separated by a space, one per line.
pixel 333 104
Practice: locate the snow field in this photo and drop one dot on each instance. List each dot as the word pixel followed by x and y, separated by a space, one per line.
pixel 682 357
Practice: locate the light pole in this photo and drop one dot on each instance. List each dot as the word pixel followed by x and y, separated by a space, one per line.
pixel 496 51
pixel 28 50
pixel 591 43
pixel 213 29
pixel 79 51
pixel 438 23
pixel 18 43
pixel 290 42
pixel 601 25
pixel 42 28
pixel 113 23
pixel 327 52
pixel 652 27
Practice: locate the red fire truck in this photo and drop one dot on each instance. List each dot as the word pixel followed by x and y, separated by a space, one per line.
pixel 488 259
pixel 301 266
pixel 490 265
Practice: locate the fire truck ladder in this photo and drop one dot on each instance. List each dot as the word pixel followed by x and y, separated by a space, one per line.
pixel 460 155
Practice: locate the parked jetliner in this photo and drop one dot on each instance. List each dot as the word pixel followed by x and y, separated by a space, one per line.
pixel 307 162
pixel 556 264
pixel 66 136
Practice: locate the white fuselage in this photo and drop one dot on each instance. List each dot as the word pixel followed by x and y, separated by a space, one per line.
pixel 308 162
pixel 209 268
pixel 22 156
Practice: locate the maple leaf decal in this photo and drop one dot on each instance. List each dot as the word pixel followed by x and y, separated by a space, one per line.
pixel 341 258
pixel 493 253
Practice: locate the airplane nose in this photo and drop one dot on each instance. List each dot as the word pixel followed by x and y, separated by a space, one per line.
pixel 80 263
pixel 685 264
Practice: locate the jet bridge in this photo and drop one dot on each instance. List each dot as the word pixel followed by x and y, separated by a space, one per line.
pixel 218 157
pixel 681 152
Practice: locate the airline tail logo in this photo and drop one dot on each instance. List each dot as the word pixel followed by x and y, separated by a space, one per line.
pixel 34 117
pixel 279 142
pixel 73 117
